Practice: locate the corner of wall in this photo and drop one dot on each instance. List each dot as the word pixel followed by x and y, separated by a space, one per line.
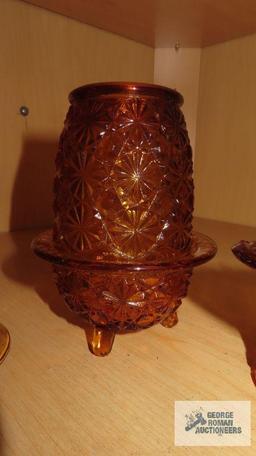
pixel 180 69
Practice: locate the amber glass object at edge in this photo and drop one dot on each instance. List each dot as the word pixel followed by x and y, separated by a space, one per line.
pixel 245 251
pixel 122 244
pixel 4 342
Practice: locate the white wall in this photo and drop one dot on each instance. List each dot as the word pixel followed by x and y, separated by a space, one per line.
pixel 180 70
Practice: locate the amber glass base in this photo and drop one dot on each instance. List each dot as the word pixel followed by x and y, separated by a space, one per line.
pixel 123 297
pixel 4 342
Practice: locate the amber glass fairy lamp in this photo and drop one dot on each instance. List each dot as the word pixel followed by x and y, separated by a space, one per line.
pixel 122 244
pixel 4 342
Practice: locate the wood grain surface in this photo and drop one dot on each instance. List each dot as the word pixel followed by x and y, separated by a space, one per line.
pixel 58 399
pixel 161 23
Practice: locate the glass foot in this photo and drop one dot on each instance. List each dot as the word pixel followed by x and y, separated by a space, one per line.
pixel 4 342
pixel 99 340
pixel 253 375
pixel 170 321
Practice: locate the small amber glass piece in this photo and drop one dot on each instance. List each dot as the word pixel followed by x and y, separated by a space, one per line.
pixel 170 321
pixel 4 342
pixel 99 340
pixel 245 251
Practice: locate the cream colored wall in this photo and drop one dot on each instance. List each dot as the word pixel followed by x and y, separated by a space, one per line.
pixel 180 70
pixel 43 56
pixel 225 165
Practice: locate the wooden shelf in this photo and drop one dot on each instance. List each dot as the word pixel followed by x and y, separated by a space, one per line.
pixel 161 23
pixel 58 399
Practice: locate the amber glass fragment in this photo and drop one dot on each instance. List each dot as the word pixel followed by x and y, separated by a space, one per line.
pixel 245 251
pixel 4 342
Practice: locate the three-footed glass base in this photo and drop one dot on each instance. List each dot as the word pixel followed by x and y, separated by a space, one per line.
pixel 123 297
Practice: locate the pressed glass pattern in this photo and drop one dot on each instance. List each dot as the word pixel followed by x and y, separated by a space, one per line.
pixel 123 187
pixel 122 243
pixel 245 251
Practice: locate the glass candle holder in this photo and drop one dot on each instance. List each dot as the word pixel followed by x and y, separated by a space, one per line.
pixel 122 244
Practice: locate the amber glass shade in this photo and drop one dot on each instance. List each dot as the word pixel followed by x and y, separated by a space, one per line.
pixel 122 242
pixel 124 188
